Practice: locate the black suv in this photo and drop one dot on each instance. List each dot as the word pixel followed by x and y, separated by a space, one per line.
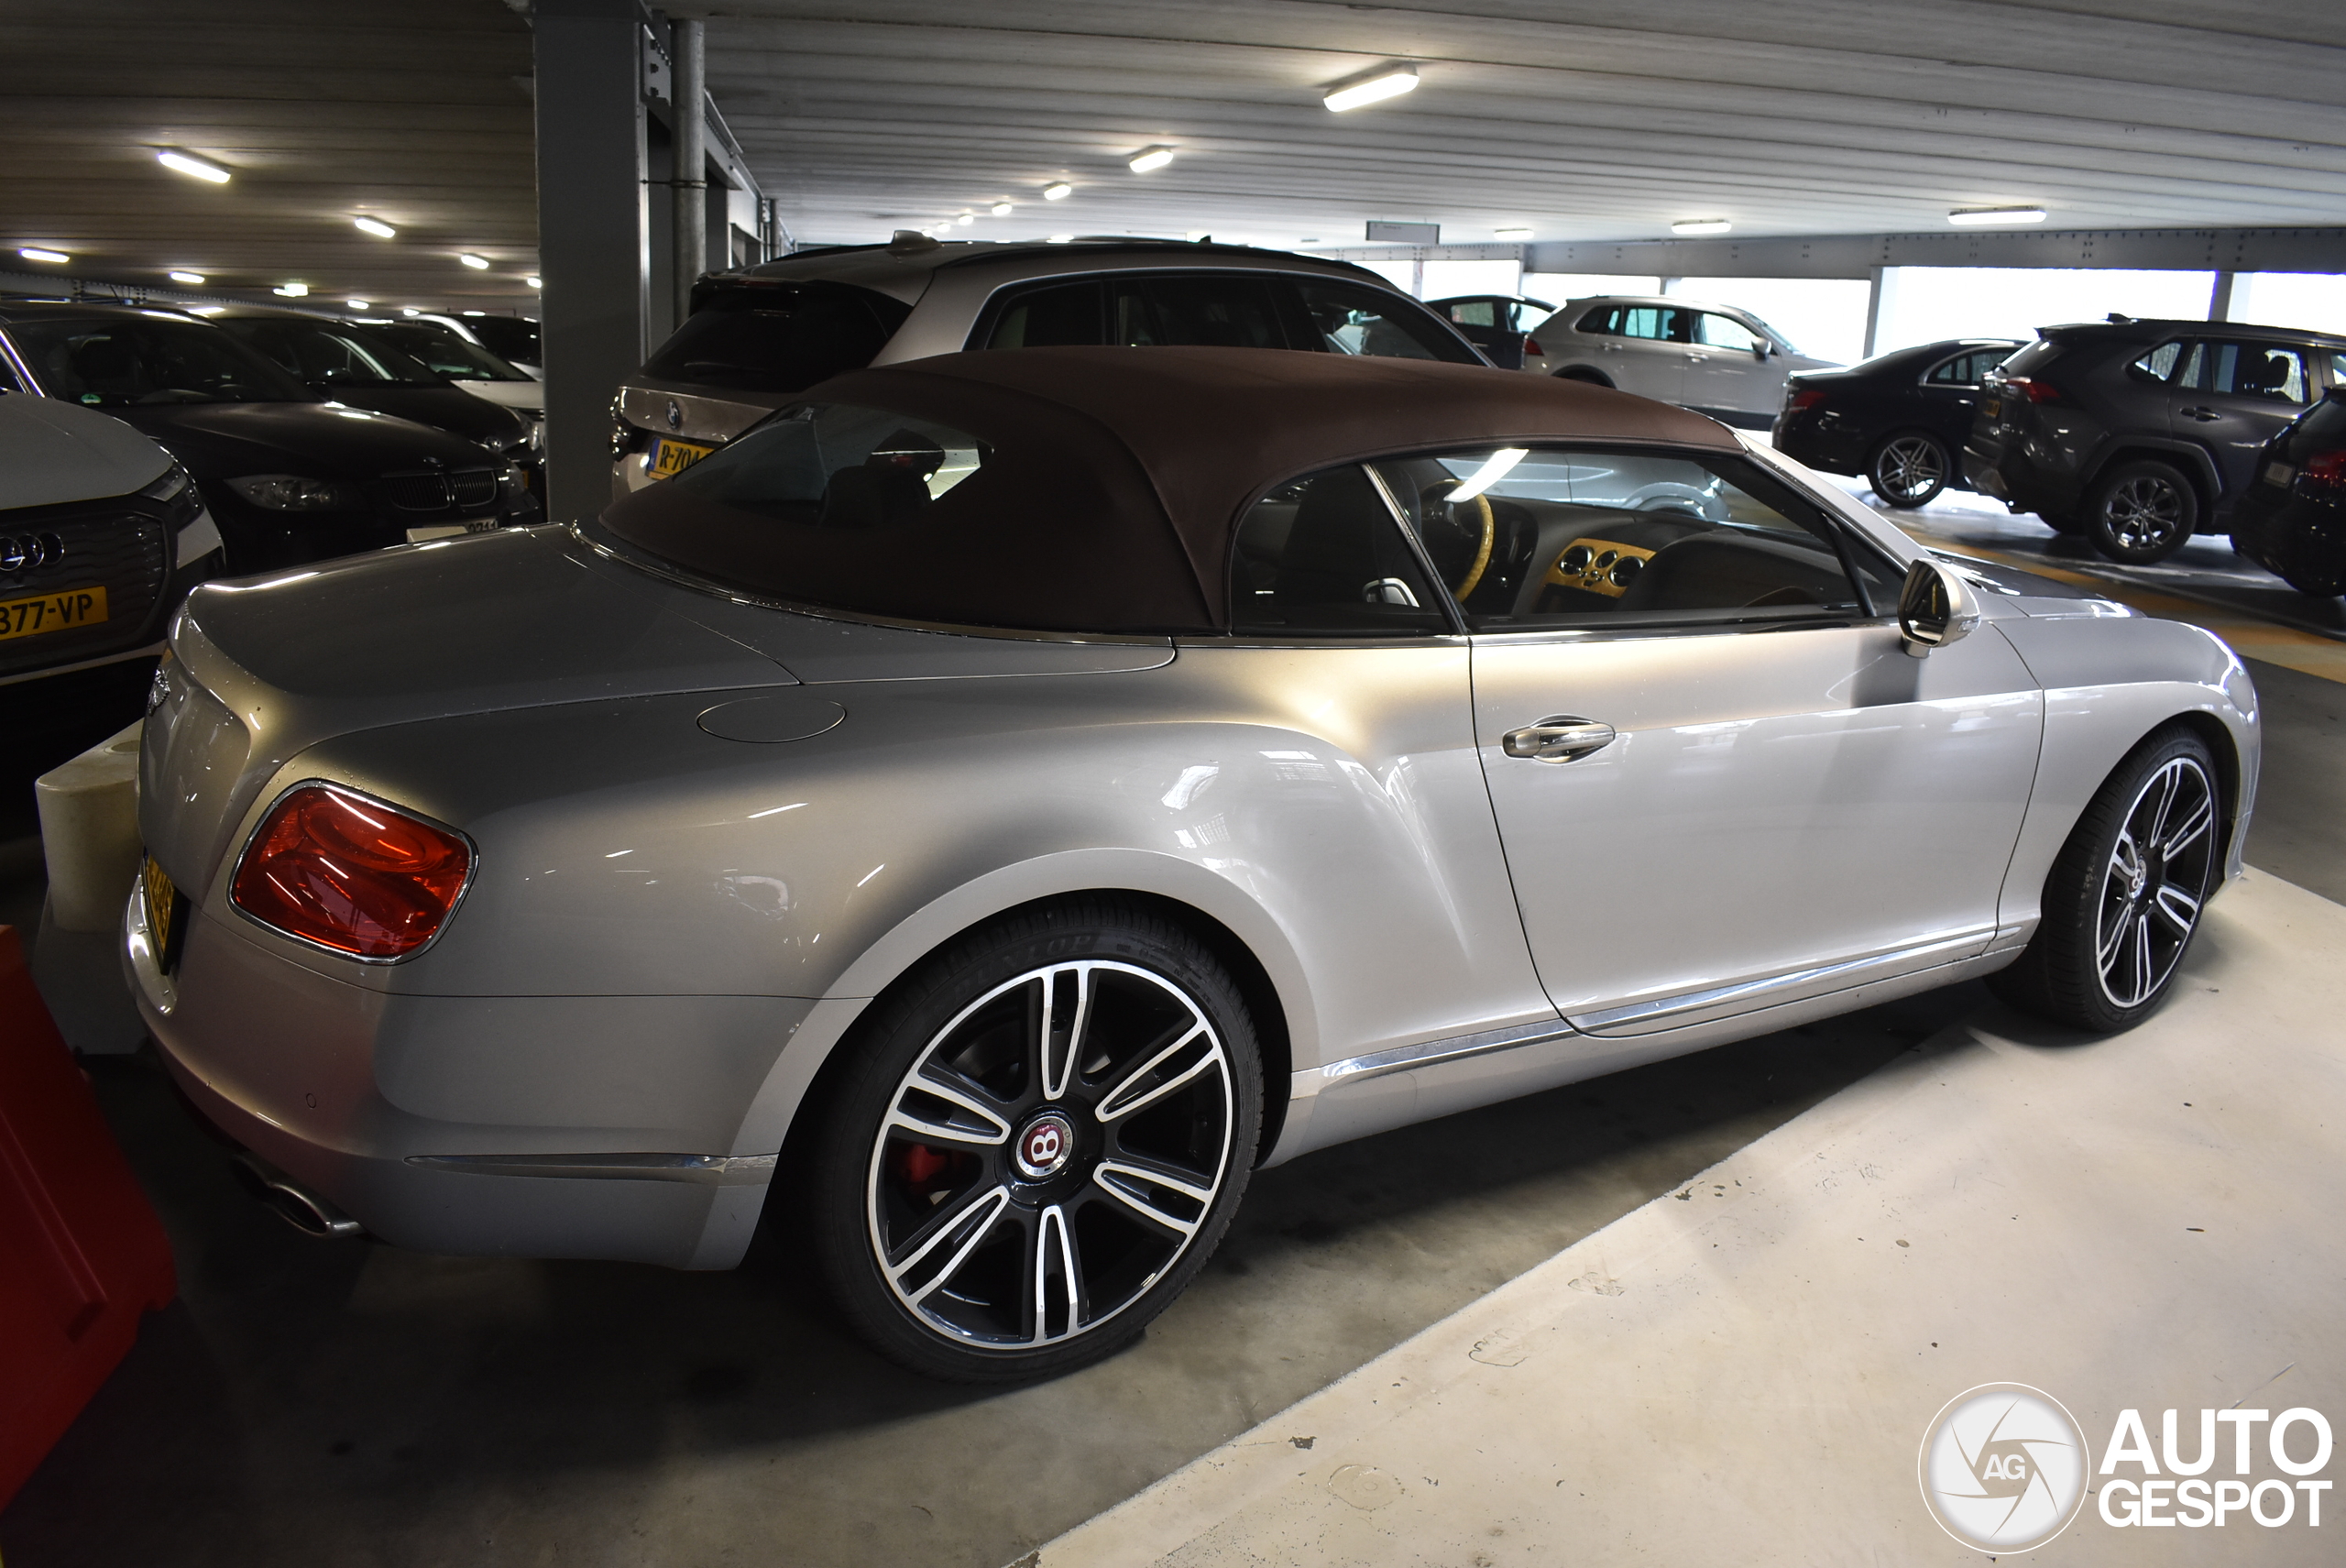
pixel 2140 433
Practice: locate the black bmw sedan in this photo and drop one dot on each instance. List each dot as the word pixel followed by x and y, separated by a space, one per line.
pixel 1898 420
pixel 290 477
pixel 2292 520
pixel 361 368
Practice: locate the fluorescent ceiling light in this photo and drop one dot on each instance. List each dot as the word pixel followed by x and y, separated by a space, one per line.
pixel 1512 234
pixel 291 290
pixel 1701 226
pixel 475 262
pixel 476 312
pixel 1002 209
pixel 966 218
pixel 1150 158
pixel 194 166
pixel 1059 239
pixel 1058 191
pixel 377 227
pixel 1995 217
pixel 185 277
pixel 410 311
pixel 534 283
pixel 1496 466
pixel 35 253
pixel 1390 82
pixel 358 304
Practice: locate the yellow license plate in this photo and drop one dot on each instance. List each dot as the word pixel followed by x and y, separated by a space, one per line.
pixel 669 457
pixel 162 900
pixel 51 612
pixel 1992 407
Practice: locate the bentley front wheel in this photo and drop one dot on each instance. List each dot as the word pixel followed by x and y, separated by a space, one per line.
pixel 1041 1144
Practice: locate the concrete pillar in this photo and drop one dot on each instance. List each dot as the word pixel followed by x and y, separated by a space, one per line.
pixel 593 243
pixel 2224 299
pixel 689 132
pixel 1877 304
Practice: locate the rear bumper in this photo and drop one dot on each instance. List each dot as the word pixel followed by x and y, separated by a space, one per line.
pixel 515 1126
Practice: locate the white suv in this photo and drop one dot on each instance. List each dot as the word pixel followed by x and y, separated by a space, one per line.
pixel 759 337
pixel 1715 359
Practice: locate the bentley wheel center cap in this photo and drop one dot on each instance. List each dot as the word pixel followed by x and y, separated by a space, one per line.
pixel 1044 1147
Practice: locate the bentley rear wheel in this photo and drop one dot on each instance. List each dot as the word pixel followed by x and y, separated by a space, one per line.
pixel 2123 899
pixel 1047 1132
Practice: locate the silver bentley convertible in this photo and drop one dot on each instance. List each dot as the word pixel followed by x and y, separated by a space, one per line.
pixel 981 813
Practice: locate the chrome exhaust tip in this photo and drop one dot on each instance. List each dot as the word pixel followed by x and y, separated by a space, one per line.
pixel 296 1204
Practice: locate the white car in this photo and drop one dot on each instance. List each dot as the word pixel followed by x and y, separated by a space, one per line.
pixel 1715 360
pixel 102 534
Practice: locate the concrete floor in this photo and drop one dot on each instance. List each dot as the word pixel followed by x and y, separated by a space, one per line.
pixel 1742 1371
pixel 328 1403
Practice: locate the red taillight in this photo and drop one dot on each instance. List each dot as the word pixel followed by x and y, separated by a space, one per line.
pixel 2323 474
pixel 1531 349
pixel 2034 391
pixel 1802 400
pixel 351 873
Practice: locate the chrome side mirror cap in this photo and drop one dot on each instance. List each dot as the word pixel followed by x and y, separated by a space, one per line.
pixel 1934 608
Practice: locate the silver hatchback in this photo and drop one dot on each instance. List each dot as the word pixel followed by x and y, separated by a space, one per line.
pixel 993 805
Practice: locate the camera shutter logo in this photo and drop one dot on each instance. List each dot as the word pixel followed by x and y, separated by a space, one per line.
pixel 2003 1467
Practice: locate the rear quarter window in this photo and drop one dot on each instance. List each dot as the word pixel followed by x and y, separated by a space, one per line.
pixel 778 338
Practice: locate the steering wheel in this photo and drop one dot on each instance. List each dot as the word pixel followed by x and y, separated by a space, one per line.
pixel 1453 528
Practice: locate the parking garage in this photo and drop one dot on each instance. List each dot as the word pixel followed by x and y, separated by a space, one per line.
pixel 1668 681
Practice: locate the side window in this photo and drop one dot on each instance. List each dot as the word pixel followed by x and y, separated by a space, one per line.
pixel 2247 370
pixel 1604 321
pixel 1525 539
pixel 1725 332
pixel 1474 312
pixel 1349 318
pixel 1224 312
pixel 1666 324
pixel 1060 315
pixel 9 382
pixel 1321 557
pixel 1963 370
pixel 2158 365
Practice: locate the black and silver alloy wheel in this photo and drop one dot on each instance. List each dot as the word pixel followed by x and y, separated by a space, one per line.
pixel 2142 512
pixel 1909 470
pixel 1041 1167
pixel 2124 896
pixel 2155 882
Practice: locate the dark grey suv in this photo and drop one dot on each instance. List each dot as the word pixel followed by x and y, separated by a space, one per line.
pixel 2140 433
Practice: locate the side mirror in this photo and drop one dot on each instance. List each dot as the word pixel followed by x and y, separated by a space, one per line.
pixel 1761 348
pixel 1934 608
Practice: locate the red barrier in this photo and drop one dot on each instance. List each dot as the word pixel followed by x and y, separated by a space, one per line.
pixel 82 1257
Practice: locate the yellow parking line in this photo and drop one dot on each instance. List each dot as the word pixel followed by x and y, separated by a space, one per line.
pixel 2250 636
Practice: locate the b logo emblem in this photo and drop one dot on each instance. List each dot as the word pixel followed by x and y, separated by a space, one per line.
pixel 1044 1146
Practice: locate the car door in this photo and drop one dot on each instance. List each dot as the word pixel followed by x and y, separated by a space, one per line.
pixel 1486 323
pixel 2233 396
pixel 1721 783
pixel 1724 370
pixel 1949 394
pixel 1642 347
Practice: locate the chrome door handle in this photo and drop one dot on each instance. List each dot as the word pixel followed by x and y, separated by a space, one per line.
pixel 2203 415
pixel 1559 739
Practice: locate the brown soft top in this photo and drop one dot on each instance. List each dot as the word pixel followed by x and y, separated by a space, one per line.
pixel 1151 455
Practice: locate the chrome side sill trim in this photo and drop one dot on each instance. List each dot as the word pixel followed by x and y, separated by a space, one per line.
pixel 708 1169
pixel 1751 994
pixel 1401 1058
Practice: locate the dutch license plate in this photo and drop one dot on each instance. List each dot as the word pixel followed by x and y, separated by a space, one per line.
pixel 1992 407
pixel 670 456
pixel 162 908
pixel 51 612
pixel 2278 474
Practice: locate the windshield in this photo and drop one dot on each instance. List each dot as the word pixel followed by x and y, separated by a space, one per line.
pixel 447 354
pixel 132 361
pixel 327 354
